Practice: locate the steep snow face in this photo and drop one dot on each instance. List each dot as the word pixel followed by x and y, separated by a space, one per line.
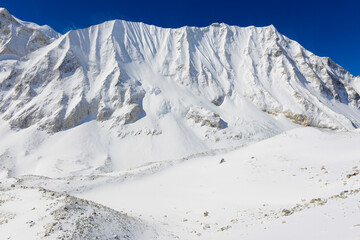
pixel 124 84
pixel 123 71
pixel 18 38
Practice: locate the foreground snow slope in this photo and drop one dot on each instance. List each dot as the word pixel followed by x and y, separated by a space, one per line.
pixel 120 94
pixel 303 183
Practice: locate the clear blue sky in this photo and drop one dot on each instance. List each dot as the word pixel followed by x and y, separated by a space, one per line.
pixel 327 28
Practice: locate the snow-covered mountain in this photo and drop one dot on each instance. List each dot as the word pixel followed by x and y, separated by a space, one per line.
pixel 173 132
pixel 130 89
pixel 18 38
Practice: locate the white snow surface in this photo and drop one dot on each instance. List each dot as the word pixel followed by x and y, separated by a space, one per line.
pixel 303 184
pixel 137 118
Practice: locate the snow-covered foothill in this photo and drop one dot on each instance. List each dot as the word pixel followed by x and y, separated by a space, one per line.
pixel 37 213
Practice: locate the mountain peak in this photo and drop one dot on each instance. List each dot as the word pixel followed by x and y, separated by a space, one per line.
pixel 216 24
pixel 5 15
pixel 19 38
pixel 4 11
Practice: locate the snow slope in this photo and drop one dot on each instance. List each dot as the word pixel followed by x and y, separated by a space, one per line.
pixel 303 183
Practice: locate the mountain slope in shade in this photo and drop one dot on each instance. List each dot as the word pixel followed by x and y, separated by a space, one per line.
pixel 116 95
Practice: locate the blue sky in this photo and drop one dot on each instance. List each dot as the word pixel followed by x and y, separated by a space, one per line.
pixel 327 28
